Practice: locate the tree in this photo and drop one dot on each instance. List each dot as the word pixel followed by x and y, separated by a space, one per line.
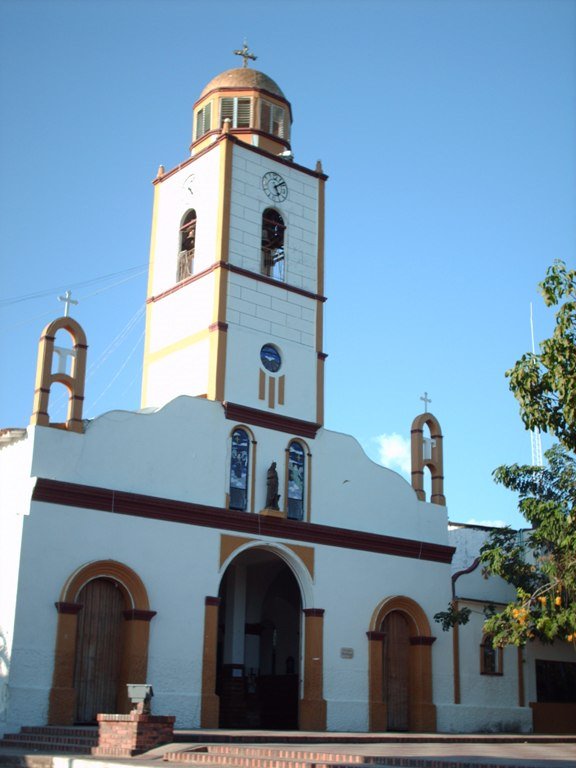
pixel 545 383
pixel 542 564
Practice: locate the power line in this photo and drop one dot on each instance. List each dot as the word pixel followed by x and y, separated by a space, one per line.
pixel 139 269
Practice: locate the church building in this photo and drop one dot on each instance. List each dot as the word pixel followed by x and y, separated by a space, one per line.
pixel 220 543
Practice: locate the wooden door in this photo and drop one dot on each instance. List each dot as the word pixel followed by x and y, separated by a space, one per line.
pixel 396 666
pixel 98 649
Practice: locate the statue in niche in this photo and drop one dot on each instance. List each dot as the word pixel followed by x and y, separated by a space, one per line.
pixel 272 497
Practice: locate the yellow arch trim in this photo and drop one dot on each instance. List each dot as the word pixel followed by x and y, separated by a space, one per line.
pixel 107 569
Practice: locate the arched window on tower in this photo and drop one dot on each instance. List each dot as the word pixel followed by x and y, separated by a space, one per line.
pixel 239 470
pixel 296 480
pixel 187 246
pixel 273 229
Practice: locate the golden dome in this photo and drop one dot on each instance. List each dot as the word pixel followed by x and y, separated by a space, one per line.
pixel 243 77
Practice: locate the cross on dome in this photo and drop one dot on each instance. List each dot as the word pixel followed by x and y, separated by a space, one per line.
pixel 426 400
pixel 246 54
pixel 67 301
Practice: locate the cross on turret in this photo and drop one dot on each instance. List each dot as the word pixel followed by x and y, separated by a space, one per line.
pixel 426 400
pixel 67 301
pixel 246 54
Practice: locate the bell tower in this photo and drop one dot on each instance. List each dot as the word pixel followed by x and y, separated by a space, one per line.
pixel 236 276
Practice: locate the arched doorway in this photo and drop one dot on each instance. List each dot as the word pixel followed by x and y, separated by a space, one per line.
pixel 396 670
pixel 101 642
pixel 400 667
pixel 259 643
pixel 98 649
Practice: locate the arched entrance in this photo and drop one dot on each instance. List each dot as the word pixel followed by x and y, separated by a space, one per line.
pixel 259 632
pixel 101 642
pixel 400 668
pixel 98 649
pixel 396 670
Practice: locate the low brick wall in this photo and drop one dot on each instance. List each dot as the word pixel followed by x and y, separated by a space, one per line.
pixel 127 735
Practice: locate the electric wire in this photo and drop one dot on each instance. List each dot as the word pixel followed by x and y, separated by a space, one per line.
pixel 82 284
pixel 124 364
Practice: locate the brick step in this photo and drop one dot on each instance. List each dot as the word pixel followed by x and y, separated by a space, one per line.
pixel 204 755
pixel 42 746
pixel 241 761
pixel 62 730
pixel 32 738
pixel 285 753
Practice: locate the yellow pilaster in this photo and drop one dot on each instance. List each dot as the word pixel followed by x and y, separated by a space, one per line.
pixel 149 307
pixel 218 338
pixel 320 307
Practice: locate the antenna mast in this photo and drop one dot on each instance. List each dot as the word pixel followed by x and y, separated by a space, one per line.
pixel 535 439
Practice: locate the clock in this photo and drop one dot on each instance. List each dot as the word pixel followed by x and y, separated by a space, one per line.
pixel 270 358
pixel 188 185
pixel 274 186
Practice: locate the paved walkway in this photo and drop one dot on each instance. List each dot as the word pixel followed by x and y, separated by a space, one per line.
pixel 415 750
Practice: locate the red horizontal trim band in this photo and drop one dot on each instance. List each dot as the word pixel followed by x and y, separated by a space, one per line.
pixel 137 614
pixel 239 271
pixel 169 510
pixel 212 601
pixel 68 607
pixel 184 283
pixel 378 636
pixel 218 326
pixel 239 132
pixel 422 640
pixel 318 612
pixel 240 143
pixel 270 281
pixel 269 420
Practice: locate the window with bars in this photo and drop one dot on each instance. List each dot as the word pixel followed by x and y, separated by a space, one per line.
pixel 187 246
pixel 273 229
pixel 237 109
pixel 203 120
pixel 273 119
pixel 490 657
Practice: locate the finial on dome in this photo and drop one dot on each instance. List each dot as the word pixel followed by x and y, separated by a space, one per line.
pixel 246 54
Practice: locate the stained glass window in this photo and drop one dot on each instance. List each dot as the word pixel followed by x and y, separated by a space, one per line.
pixel 296 477
pixel 239 465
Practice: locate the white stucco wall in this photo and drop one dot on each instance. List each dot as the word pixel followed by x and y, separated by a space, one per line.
pixel 182 452
pixel 15 489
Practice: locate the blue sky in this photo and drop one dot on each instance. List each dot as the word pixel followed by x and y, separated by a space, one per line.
pixel 447 128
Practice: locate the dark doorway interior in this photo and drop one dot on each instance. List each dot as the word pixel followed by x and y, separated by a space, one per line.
pixel 259 643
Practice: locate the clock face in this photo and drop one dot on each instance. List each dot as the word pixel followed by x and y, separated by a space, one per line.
pixel 188 185
pixel 275 186
pixel 270 358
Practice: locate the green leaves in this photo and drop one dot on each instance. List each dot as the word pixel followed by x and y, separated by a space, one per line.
pixel 452 617
pixel 545 384
pixel 541 563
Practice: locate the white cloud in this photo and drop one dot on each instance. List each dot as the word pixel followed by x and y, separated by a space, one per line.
pixel 394 452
